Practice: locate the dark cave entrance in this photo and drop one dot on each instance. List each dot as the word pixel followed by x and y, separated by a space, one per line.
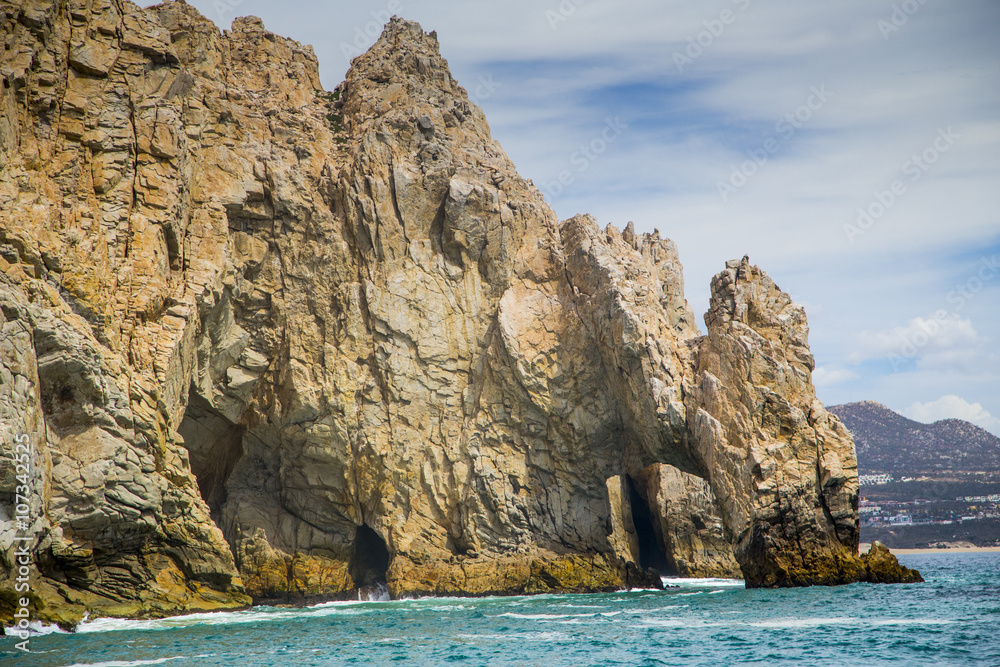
pixel 651 550
pixel 370 560
pixel 215 446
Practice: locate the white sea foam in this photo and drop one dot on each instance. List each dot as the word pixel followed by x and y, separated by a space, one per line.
pixel 677 623
pixel 702 582
pixel 642 612
pixel 582 606
pixel 544 617
pixel 907 621
pixel 789 623
pixel 522 636
pixel 376 593
pixel 39 629
pixel 852 621
pixel 255 615
pixel 803 622
pixel 137 663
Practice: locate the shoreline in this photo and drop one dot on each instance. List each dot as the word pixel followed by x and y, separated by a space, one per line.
pixel 863 548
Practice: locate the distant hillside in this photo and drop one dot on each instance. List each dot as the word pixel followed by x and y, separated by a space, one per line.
pixel 889 442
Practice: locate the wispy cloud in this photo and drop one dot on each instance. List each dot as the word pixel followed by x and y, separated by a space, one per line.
pixel 825 376
pixel 926 339
pixel 953 407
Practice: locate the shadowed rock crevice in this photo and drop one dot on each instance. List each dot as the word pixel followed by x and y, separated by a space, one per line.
pixel 652 550
pixel 215 446
pixel 370 558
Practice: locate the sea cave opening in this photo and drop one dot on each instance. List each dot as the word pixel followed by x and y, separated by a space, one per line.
pixel 651 549
pixel 370 560
pixel 215 446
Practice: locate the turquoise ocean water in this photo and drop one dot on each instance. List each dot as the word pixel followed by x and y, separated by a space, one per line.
pixel 953 619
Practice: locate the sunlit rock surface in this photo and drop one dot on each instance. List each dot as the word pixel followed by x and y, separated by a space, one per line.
pixel 276 343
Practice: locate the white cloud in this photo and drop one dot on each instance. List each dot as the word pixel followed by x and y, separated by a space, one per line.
pixel 953 407
pixel 943 341
pixel 825 376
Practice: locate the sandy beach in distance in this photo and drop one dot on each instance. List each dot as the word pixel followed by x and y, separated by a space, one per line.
pixel 863 548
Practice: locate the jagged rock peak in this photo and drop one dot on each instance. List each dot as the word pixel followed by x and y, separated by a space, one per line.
pixel 402 79
pixel 404 61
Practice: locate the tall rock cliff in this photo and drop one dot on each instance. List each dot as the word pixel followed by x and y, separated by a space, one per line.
pixel 274 343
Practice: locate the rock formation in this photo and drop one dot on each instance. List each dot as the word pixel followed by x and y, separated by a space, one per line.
pixel 688 526
pixel 275 343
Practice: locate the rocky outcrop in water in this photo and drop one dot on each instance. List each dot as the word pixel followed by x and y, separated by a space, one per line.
pixel 275 343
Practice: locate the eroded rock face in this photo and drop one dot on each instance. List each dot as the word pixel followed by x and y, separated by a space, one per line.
pixel 278 343
pixel 783 469
pixel 688 525
pixel 881 567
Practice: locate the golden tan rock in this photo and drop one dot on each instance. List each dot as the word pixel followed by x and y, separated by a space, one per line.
pixel 273 342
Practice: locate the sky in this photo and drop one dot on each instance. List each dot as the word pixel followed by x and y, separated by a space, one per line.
pixel 850 148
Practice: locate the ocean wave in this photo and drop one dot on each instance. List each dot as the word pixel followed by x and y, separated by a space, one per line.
pixel 803 622
pixel 583 606
pixel 544 617
pixel 255 615
pixel 676 623
pixel 39 629
pixel 523 636
pixel 643 612
pixel 853 621
pixel 138 663
pixel 703 582
pixel 908 621
pixel 790 623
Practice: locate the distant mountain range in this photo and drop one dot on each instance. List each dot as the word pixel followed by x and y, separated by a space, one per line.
pixel 889 442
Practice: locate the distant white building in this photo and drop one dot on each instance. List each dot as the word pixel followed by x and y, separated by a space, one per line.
pixel 875 480
pixel 994 498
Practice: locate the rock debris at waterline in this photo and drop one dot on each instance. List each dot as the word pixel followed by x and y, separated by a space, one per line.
pixel 277 344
